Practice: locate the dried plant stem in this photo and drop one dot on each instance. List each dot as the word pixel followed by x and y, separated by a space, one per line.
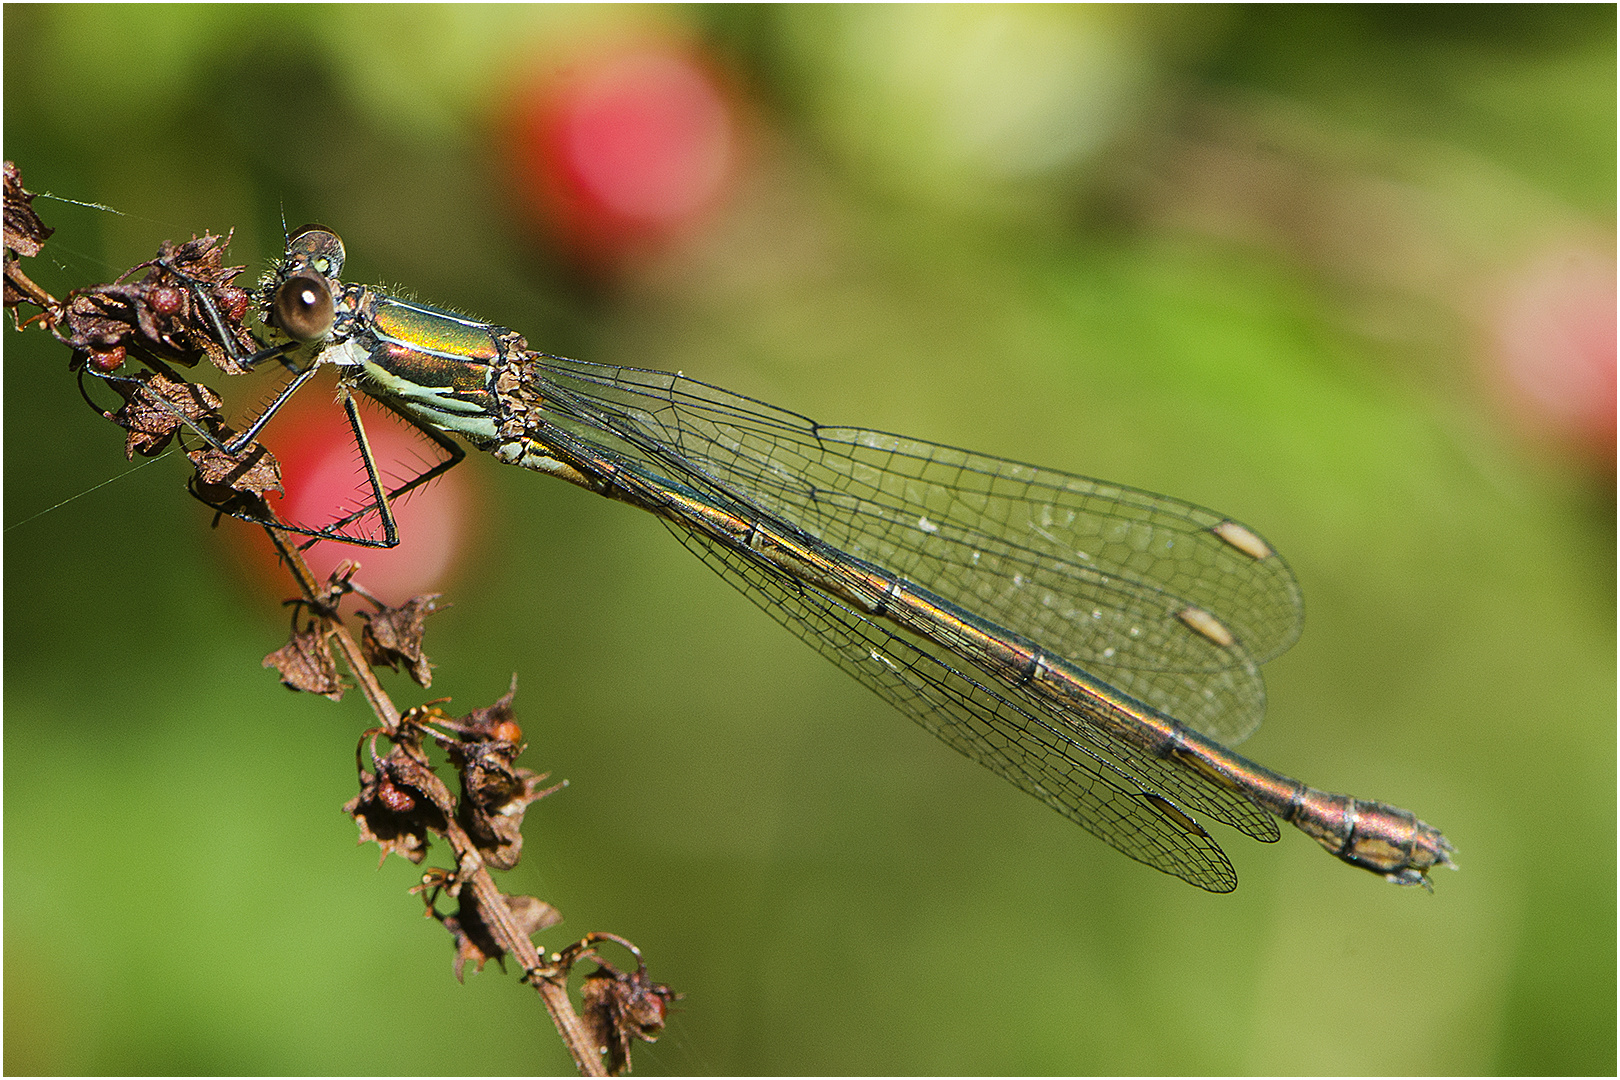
pixel 314 596
pixel 187 307
pixel 549 980
pixel 50 305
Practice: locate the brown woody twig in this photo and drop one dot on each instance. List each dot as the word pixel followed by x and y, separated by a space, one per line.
pixel 175 315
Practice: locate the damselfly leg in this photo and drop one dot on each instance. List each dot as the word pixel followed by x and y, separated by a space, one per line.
pixel 299 307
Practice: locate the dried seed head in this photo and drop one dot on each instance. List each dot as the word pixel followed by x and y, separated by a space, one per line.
pixel 392 637
pixel 618 1007
pixel 165 300
pixel 109 361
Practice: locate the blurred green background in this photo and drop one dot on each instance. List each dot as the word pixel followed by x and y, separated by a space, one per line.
pixel 1256 258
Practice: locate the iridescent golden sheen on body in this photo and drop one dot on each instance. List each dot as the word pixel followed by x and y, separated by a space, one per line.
pixel 431 330
pixel 843 533
pixel 430 370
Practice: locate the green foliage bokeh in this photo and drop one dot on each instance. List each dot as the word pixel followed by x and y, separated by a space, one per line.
pixel 833 890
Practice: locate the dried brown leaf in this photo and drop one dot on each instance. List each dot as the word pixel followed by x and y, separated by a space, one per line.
pixel 158 407
pixel 406 771
pixel 100 318
pixel 393 637
pixel 472 945
pixel 473 940
pixel 531 914
pixel 254 471
pixel 306 663
pixel 620 1007
pixel 495 721
pixel 25 233
pixel 488 779
pixel 489 784
pixel 495 793
pixel 501 829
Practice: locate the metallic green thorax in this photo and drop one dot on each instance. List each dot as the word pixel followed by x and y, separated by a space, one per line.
pixel 436 367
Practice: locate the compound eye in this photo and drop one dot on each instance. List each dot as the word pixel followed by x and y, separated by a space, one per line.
pixel 303 308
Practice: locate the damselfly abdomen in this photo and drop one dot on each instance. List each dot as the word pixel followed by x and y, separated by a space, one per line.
pixel 1094 644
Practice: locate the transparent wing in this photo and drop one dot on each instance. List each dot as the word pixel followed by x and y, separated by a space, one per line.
pixel 1049 757
pixel 1100 574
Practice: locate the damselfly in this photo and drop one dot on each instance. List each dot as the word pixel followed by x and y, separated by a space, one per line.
pixel 1094 644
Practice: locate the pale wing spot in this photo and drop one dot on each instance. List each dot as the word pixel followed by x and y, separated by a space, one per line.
pixel 1200 621
pixel 927 526
pixel 884 660
pixel 1174 814
pixel 1242 539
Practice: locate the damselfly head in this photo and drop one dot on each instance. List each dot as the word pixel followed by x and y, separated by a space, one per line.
pixel 316 247
pixel 299 296
pixel 302 307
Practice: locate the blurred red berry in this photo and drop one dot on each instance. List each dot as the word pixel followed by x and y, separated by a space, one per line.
pixel 625 150
pixel 324 479
pixel 1554 344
